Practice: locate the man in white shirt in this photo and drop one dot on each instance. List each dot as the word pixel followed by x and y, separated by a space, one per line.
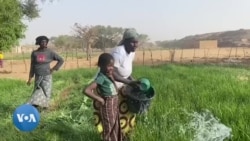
pixel 124 55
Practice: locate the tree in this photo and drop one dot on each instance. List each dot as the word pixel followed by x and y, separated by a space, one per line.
pixel 162 43
pixel 12 28
pixel 143 38
pixel 88 35
pixel 65 41
pixel 103 36
pixel 30 9
pixel 107 36
pixel 98 36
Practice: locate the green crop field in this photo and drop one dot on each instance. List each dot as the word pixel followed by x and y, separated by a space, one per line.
pixel 191 103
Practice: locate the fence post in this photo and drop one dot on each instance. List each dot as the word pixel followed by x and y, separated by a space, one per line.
pixel 230 52
pixel 236 52
pixel 24 62
pixel 151 57
pixel 77 62
pixel 90 61
pixel 244 52
pixel 72 53
pixel 11 62
pixel 194 55
pixel 90 56
pixel 181 55
pixel 218 55
pixel 172 54
pixel 161 54
pixel 143 57
pixel 206 54
pixel 66 57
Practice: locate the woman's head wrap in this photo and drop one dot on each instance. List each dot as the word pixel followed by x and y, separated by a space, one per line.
pixel 40 38
pixel 129 34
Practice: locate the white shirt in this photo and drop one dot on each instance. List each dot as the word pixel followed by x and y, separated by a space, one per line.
pixel 123 62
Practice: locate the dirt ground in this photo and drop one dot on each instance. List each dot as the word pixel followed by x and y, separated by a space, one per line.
pixel 19 69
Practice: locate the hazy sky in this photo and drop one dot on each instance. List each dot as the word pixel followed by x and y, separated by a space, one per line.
pixel 160 19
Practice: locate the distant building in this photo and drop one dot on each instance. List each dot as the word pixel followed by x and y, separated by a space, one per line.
pixel 24 49
pixel 17 49
pixel 206 44
pixel 244 40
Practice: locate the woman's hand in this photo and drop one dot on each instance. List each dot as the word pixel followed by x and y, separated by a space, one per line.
pixel 134 83
pixel 89 91
pixel 102 101
pixel 110 75
pixel 29 82
pixel 51 71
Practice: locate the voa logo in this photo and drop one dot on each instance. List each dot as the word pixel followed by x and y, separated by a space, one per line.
pixel 26 118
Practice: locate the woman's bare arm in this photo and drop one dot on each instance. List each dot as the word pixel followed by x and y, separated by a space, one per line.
pixel 89 91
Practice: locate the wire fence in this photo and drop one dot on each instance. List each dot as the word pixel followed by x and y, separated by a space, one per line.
pixel 76 58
